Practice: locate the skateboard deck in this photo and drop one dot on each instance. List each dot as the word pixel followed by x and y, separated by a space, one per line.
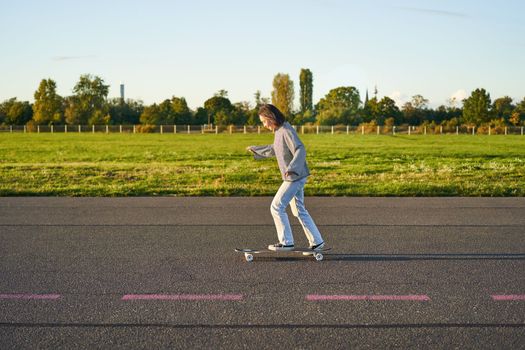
pixel 248 252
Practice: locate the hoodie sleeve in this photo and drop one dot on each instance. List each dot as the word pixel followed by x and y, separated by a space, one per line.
pixel 298 151
pixel 261 152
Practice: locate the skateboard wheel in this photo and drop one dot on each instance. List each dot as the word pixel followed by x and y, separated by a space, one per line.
pixel 249 257
pixel 318 256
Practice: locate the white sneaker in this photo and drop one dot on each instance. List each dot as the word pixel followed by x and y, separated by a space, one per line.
pixel 314 248
pixel 279 247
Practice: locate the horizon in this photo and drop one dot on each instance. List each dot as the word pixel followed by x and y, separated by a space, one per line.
pixel 160 49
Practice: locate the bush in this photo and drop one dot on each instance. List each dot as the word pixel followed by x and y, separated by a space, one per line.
pixel 369 128
pixel 146 129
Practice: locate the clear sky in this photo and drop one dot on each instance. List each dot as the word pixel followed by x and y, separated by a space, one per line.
pixel 193 48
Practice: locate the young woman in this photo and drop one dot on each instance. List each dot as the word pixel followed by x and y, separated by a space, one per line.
pixel 291 158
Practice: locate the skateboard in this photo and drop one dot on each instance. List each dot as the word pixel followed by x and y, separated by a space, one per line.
pixel 248 253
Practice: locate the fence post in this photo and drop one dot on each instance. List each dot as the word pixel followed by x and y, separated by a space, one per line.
pixel 317 129
pixel 216 129
pixel 107 129
pixel 188 129
pixel 231 131
pixel 425 129
pixel 65 129
pixel 258 129
pixel 394 130
pixel 79 129
pixel 52 130
pixel 302 129
pixel 93 127
pixel 457 130
pixel 378 129
pixel 505 131
pixel 174 129
pixel 409 132
pixel 489 130
pixel 162 129
pixel 332 129
pixel 38 129
pixel 25 127
pixel 522 131
pixel 245 129
pixel 362 130
pixel 348 129
pixel 120 128
pixel 11 128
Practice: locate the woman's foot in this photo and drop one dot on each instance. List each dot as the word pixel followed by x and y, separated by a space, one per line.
pixel 279 247
pixel 314 248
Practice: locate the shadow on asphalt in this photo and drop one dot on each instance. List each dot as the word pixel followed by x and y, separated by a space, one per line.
pixel 409 257
pixel 394 257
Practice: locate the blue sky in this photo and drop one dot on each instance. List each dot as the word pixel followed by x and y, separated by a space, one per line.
pixel 194 48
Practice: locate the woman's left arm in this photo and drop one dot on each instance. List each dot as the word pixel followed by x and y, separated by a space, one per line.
pixel 298 151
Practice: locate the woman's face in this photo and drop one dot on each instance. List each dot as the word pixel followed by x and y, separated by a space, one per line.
pixel 267 123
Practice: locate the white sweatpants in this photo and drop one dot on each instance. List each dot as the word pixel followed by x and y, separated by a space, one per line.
pixel 293 193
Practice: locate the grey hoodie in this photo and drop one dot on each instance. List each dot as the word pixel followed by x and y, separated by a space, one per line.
pixel 289 151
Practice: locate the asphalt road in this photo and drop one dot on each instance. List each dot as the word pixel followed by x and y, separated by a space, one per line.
pixel 147 273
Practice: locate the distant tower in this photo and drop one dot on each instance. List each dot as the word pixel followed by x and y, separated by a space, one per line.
pixel 122 91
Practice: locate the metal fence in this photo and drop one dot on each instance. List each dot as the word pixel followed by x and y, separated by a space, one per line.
pixel 248 129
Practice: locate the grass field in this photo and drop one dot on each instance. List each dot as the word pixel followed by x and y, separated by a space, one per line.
pixel 218 165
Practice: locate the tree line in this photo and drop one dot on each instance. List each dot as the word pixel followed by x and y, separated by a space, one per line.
pixel 89 105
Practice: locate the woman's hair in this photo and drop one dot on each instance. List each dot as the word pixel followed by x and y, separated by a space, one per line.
pixel 273 113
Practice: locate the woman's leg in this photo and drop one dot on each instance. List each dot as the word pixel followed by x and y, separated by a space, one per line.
pixel 278 209
pixel 299 210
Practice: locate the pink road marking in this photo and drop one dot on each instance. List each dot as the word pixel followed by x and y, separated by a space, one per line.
pixel 191 297
pixel 317 297
pixel 508 297
pixel 30 296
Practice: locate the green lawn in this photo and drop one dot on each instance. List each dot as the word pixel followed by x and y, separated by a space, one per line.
pixel 218 165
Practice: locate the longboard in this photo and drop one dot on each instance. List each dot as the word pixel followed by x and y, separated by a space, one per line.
pixel 248 252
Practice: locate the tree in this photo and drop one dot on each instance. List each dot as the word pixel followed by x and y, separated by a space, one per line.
pixel 370 109
pixel 518 114
pixel 476 108
pixel 241 112
pixel 419 102
pixel 165 113
pixel 125 112
pixel 48 107
pixel 238 115
pixel 151 115
pixel 306 90
pixel 339 106
pixel 502 108
pixel 201 116
pixel 415 111
pixel 386 108
pixel 89 101
pixel 221 93
pixel 215 105
pixel 13 112
pixel 259 100
pixel 283 94
pixel 180 110
pixel 253 114
pixel 409 113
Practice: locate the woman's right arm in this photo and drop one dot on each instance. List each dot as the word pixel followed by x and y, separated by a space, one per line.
pixel 261 152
